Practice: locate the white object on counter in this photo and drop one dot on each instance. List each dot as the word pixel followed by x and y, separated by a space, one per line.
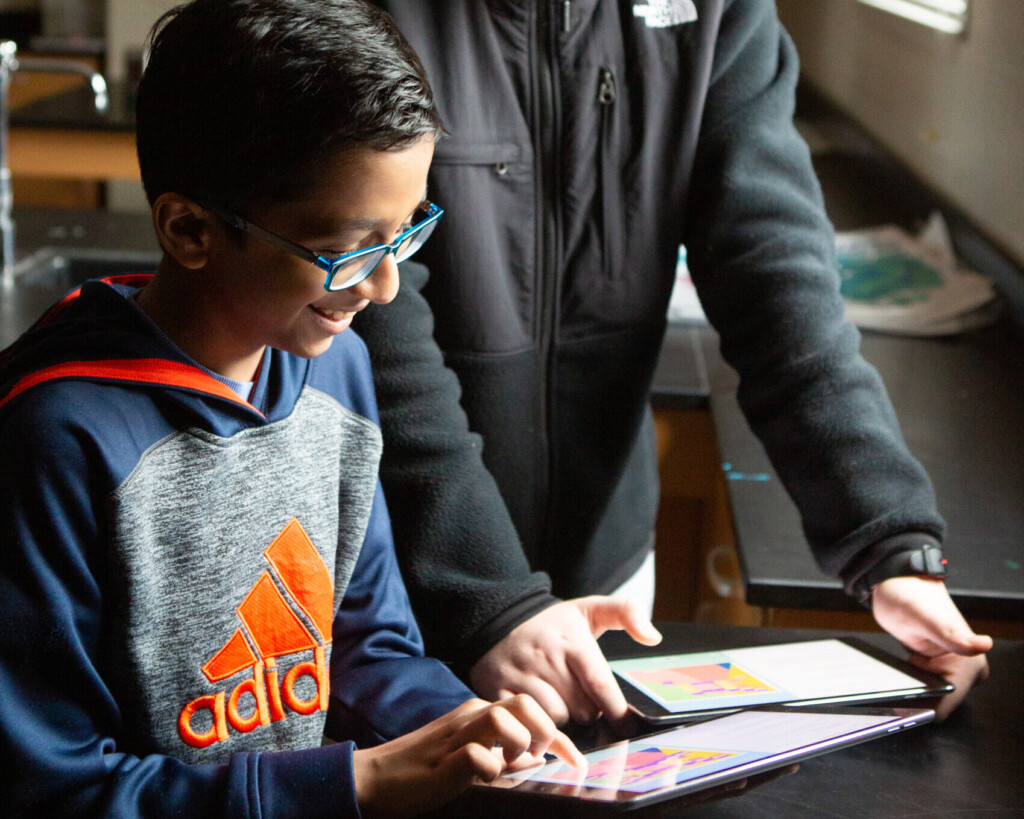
pixel 683 305
pixel 898 283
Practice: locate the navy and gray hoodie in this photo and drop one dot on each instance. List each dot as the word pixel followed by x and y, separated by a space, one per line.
pixel 191 581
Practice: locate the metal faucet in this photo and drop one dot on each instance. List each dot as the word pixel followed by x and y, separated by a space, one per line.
pixel 9 63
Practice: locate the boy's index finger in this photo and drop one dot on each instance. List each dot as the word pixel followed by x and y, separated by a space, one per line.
pixel 564 748
pixel 546 737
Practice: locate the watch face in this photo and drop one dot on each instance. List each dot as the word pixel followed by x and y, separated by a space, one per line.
pixel 928 560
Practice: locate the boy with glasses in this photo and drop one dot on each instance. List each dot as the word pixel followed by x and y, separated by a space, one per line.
pixel 196 574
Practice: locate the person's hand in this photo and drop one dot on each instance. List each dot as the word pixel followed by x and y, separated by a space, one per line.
pixel 554 657
pixel 919 612
pixel 435 763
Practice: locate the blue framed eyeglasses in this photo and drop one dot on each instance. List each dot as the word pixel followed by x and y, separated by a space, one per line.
pixel 348 269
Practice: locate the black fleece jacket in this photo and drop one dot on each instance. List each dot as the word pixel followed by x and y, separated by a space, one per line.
pixel 587 140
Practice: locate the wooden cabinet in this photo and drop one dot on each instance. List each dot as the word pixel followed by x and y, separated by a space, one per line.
pixel 695 546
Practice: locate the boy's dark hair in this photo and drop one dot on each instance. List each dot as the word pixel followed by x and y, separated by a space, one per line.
pixel 243 100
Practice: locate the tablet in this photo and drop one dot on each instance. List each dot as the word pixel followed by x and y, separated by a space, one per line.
pixel 685 687
pixel 689 758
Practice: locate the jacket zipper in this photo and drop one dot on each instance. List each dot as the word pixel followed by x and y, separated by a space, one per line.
pixel 549 233
pixel 610 206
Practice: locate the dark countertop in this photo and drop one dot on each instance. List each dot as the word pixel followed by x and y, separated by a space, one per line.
pixel 76 110
pixel 681 377
pixel 960 402
pixel 72 228
pixel 967 766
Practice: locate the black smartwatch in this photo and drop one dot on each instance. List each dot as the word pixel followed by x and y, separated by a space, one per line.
pixel 924 561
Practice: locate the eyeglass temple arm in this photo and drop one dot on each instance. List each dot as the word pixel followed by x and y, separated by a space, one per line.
pixel 255 230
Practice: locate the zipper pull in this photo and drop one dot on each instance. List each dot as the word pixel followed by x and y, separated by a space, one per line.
pixel 606 87
pixel 566 16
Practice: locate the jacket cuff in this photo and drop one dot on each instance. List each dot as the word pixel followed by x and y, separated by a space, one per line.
pixel 877 552
pixel 313 782
pixel 497 629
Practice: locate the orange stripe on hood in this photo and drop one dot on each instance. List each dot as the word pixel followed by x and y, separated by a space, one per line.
pixel 138 370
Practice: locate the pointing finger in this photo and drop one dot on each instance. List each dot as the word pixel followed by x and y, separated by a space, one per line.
pixel 609 613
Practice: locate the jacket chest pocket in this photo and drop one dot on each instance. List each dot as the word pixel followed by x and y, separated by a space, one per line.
pixel 609 175
pixel 483 259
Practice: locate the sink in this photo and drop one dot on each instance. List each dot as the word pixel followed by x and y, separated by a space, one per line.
pixel 47 274
pixel 64 268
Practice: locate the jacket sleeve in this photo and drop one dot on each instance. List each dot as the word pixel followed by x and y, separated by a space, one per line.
pixel 761 251
pixel 381 684
pixel 468 578
pixel 60 720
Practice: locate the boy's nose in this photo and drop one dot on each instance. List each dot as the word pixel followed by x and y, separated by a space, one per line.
pixel 381 286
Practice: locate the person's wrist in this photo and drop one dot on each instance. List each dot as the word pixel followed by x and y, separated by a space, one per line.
pixel 364 776
pixel 498 628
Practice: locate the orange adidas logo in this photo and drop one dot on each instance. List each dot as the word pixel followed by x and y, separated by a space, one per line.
pixel 271 626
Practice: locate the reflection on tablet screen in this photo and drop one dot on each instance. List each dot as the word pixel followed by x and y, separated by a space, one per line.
pixel 640 768
pixel 670 758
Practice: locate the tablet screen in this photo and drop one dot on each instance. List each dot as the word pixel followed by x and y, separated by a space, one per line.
pixel 815 670
pixel 700 755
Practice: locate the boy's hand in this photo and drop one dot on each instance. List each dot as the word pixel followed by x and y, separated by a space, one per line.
pixel 554 657
pixel 432 765
pixel 919 612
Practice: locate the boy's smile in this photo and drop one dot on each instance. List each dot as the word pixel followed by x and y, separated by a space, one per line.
pixel 334 321
pixel 248 295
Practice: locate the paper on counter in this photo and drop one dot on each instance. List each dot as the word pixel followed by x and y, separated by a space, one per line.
pixel 898 283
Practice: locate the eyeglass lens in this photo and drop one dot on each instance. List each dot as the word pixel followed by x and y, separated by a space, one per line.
pixel 352 272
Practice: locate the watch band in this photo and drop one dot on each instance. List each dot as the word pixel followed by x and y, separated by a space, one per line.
pixel 924 561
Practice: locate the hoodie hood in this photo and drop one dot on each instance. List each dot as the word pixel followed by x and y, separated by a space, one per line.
pixel 95 333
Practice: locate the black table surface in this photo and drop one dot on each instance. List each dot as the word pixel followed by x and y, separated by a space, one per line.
pixel 960 402
pixel 970 766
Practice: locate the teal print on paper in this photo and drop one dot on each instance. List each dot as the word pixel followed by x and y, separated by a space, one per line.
pixel 892 278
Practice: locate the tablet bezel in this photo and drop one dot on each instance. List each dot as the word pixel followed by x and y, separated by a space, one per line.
pixel 548 792
pixel 931 685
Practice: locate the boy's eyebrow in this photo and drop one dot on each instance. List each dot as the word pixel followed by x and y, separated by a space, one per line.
pixel 360 223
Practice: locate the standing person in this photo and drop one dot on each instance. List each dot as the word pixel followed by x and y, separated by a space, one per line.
pixel 197 575
pixel 587 140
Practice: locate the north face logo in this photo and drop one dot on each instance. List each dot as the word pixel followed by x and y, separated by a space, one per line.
pixel 665 13
pixel 271 628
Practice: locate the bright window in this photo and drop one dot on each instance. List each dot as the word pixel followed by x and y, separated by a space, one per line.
pixel 949 16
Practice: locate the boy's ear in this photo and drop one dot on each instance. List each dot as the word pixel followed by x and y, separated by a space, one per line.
pixel 183 229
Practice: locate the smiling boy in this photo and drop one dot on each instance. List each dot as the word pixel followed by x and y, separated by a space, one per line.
pixel 196 571
pixel 260 295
